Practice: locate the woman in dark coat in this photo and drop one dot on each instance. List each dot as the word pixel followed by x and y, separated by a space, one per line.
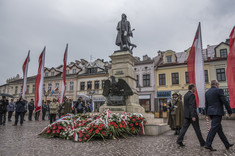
pixel 20 110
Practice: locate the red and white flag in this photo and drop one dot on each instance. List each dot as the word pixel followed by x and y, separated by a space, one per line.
pixel 64 75
pixel 195 66
pixel 39 81
pixel 231 69
pixel 25 72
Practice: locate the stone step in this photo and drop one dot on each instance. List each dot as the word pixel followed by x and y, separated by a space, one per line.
pixel 156 129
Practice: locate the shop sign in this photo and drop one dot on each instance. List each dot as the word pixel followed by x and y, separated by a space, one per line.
pixel 163 94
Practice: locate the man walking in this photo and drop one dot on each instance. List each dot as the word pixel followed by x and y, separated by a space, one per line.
pixel 10 109
pixel 190 116
pixel 215 100
pixel 31 108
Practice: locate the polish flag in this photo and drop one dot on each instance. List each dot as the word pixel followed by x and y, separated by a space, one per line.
pixel 64 75
pixel 231 69
pixel 196 71
pixel 25 72
pixel 39 81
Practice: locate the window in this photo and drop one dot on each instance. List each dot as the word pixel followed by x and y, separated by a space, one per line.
pixel 27 89
pixel 186 77
pixel 44 86
pixel 223 53
pixel 162 79
pixel 57 85
pixel 175 78
pixel 49 87
pixel 137 81
pixel 21 89
pixel 206 76
pixel 71 85
pixel 220 73
pixel 146 80
pixel 92 70
pixel 89 85
pixel 103 81
pixel 74 71
pixel 82 85
pixel 52 73
pixel 16 89
pixel 33 89
pixel 97 84
pixel 67 72
pixel 46 74
pixel 65 86
pixel 169 59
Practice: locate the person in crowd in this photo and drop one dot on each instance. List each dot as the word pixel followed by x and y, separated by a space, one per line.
pixel 80 105
pixel 72 106
pixel 20 110
pixel 31 109
pixel 176 119
pixel 190 116
pixel 44 110
pixel 67 106
pixel 215 100
pixel 26 108
pixel 3 110
pixel 10 109
pixel 87 108
pixel 54 106
pixel 37 112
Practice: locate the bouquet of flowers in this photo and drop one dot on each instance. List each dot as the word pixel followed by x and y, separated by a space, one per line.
pixel 106 125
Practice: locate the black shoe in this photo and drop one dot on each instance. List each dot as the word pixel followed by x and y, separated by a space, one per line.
pixel 203 144
pixel 210 148
pixel 230 145
pixel 14 125
pixel 181 144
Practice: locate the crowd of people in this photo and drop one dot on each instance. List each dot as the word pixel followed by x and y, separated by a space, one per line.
pixel 49 109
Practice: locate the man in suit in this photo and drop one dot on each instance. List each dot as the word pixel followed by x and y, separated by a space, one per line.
pixel 190 116
pixel 215 100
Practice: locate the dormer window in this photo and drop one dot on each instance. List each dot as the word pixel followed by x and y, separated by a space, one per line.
pixel 92 70
pixel 67 72
pixel 46 74
pixel 223 53
pixel 74 71
pixel 169 59
pixel 52 73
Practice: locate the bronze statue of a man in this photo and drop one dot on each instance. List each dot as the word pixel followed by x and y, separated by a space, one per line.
pixel 124 33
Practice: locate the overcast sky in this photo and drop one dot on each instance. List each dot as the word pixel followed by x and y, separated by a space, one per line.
pixel 89 27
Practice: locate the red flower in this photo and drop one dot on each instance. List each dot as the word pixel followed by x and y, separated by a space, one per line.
pixel 124 126
pixel 96 126
pixel 90 131
pixel 85 138
pixel 116 126
pixel 123 122
pixel 100 125
pixel 58 123
pixel 80 135
pixel 80 140
pixel 103 133
pixel 87 135
pixel 127 122
pixel 48 131
pixel 120 125
pixel 132 128
pixel 54 127
pixel 58 131
pixel 136 123
pixel 100 128
pixel 140 125
pixel 53 132
pixel 96 131
pixel 131 125
pixel 138 118
pixel 133 119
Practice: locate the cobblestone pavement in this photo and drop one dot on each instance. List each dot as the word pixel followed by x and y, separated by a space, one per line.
pixel 23 140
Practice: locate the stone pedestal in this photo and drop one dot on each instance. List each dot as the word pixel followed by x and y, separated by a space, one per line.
pixel 123 67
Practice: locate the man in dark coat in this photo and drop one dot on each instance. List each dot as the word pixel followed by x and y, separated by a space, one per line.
pixel 190 116
pixel 20 110
pixel 31 109
pixel 3 110
pixel 176 109
pixel 44 109
pixel 80 105
pixel 215 100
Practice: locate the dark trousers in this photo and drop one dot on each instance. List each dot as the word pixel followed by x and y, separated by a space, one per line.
pixel 196 127
pixel 21 114
pixel 30 115
pixel 36 116
pixel 80 110
pixel 43 115
pixel 10 115
pixel 2 118
pixel 216 127
pixel 52 118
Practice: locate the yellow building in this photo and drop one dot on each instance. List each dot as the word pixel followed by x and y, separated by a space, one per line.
pixel 172 76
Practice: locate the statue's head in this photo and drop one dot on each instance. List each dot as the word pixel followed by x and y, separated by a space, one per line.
pixel 123 16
